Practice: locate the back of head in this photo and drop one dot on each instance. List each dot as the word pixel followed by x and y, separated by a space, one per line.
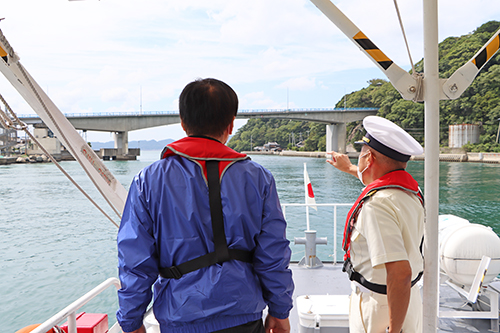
pixel 386 163
pixel 207 107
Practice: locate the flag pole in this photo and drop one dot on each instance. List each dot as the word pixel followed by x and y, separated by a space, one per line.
pixel 307 214
pixel 305 198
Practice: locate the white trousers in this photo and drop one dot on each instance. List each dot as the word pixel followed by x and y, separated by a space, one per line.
pixel 369 312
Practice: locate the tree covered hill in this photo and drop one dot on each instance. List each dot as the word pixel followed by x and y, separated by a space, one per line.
pixel 479 104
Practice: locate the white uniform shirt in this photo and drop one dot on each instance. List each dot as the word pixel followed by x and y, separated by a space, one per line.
pixel 389 228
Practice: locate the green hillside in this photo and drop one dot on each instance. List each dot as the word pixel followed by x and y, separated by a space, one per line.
pixel 479 104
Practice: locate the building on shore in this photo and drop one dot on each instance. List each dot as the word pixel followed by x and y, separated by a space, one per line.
pixel 462 134
pixel 47 139
pixel 8 139
pixel 50 142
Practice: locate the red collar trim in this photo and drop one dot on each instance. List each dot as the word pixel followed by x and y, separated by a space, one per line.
pixel 199 150
pixel 202 149
pixel 398 178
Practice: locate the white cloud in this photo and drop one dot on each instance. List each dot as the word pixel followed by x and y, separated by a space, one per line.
pixel 114 95
pixel 299 83
pixel 258 100
pixel 94 56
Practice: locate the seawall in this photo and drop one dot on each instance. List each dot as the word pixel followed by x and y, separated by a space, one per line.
pixel 456 157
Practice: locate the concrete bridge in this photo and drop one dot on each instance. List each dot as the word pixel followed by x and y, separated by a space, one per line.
pixel 121 123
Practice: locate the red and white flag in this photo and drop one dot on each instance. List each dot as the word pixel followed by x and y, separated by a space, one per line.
pixel 309 190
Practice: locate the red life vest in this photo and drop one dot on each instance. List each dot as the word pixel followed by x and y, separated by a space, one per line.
pixel 399 179
pixel 213 158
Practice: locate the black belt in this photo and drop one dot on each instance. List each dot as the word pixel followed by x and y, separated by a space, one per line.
pixel 377 288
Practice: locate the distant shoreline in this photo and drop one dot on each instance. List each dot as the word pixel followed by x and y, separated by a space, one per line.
pixel 453 157
pixel 493 158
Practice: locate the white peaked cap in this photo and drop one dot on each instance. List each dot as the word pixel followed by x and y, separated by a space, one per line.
pixel 390 139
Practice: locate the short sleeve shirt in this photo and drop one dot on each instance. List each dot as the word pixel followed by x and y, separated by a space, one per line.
pixel 389 228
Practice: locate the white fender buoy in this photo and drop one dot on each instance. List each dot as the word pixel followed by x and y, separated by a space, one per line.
pixel 462 245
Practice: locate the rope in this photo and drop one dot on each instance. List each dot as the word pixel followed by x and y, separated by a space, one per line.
pixel 417 76
pixel 404 34
pixel 21 126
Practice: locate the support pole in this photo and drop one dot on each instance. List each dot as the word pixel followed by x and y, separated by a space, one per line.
pixel 121 142
pixel 498 132
pixel 341 137
pixel 336 137
pixel 432 89
pixel 331 143
pixel 307 219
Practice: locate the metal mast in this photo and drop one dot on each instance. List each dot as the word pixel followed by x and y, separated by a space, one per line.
pixel 432 91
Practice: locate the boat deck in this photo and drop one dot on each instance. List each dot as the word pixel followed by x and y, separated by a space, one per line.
pixel 330 280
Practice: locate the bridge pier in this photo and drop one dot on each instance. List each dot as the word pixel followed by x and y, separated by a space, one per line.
pixel 121 150
pixel 121 142
pixel 336 137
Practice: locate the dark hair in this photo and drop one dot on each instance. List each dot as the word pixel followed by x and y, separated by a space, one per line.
pixel 207 107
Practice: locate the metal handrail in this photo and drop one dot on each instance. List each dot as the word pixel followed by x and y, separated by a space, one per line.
pixel 335 205
pixel 69 312
pixel 152 113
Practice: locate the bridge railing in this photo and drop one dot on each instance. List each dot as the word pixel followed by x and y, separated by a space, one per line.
pixel 154 113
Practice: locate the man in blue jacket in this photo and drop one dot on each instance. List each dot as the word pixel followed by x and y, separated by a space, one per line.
pixel 205 227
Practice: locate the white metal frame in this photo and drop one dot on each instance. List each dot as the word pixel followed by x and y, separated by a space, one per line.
pixel 69 312
pixel 492 314
pixel 471 296
pixel 434 89
pixel 112 190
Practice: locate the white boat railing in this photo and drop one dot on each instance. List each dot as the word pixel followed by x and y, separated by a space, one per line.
pixel 69 312
pixel 334 205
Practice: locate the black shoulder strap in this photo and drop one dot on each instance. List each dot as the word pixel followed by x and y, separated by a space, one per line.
pixel 220 242
pixel 222 253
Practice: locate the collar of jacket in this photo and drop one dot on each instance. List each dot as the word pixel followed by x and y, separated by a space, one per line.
pixel 200 150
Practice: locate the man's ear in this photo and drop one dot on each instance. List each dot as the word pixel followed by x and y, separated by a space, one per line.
pixel 231 127
pixel 183 127
pixel 370 159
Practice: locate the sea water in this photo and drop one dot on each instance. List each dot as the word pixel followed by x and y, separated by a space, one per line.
pixel 55 245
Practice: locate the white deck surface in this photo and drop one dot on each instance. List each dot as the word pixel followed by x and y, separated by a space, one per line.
pixel 332 281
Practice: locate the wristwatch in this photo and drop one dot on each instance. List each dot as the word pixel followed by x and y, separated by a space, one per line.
pixel 387 330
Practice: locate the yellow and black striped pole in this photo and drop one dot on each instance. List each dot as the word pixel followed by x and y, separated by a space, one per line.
pixel 485 54
pixel 400 79
pixel 372 50
pixel 3 54
pixel 6 50
pixel 463 77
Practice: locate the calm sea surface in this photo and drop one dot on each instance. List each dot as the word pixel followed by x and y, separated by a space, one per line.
pixel 55 246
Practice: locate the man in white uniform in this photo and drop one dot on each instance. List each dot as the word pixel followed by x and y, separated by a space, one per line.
pixel 384 232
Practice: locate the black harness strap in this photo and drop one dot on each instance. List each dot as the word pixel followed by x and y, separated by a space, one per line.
pixel 222 253
pixel 375 287
pixel 220 242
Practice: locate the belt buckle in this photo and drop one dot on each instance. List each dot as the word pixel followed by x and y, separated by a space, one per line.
pixel 175 272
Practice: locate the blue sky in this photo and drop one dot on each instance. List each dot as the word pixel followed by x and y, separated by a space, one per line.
pixel 96 56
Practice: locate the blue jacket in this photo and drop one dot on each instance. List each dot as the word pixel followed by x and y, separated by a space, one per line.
pixel 167 222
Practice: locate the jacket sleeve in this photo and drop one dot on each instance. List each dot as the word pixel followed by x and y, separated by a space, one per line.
pixel 272 256
pixel 137 259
